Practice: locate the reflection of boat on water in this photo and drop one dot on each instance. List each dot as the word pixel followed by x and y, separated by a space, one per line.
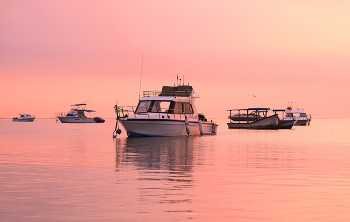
pixel 24 117
pixel 171 112
pixel 156 170
pixel 77 115
pixel 284 123
pixel 171 153
pixel 255 118
pixel 297 114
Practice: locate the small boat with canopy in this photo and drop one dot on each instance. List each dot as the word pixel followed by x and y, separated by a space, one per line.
pixel 77 115
pixel 252 118
pixel 23 117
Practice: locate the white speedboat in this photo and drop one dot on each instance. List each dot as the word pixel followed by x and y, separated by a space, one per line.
pixel 170 112
pixel 77 115
pixel 24 117
pixel 253 118
pixel 297 114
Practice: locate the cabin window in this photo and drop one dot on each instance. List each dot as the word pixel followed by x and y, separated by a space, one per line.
pixel 154 106
pixel 188 108
pixel 289 115
pixel 164 106
pixel 143 106
pixel 181 108
pixel 177 108
pixel 303 115
pixel 159 106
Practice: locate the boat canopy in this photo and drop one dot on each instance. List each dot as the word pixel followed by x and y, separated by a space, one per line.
pixel 278 110
pixel 184 91
pixel 88 110
pixel 253 109
pixel 295 111
pixel 79 104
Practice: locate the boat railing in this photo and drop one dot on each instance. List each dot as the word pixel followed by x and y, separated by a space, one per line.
pixel 168 115
pixel 151 93
pixel 60 113
pixel 124 111
pixel 177 93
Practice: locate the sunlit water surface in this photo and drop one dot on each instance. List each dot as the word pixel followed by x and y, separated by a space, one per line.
pixel 77 172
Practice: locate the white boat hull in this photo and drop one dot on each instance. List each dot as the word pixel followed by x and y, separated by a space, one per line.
pixel 165 127
pixel 302 122
pixel 73 119
pixel 23 120
pixel 299 121
pixel 270 122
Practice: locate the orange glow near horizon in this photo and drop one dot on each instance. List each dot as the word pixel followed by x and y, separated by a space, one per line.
pixel 54 54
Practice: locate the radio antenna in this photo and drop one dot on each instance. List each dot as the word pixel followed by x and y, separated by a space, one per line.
pixel 141 75
pixel 259 101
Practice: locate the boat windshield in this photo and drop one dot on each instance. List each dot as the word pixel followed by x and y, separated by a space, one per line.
pixel 159 106
pixel 153 106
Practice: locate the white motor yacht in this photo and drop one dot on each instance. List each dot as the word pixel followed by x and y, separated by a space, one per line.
pixel 170 112
pixel 24 117
pixel 297 114
pixel 77 115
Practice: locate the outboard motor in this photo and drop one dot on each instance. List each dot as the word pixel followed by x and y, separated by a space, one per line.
pixel 202 117
pixel 99 120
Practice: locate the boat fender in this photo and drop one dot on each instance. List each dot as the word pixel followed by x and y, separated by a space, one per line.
pixel 213 128
pixel 99 120
pixel 116 130
pixel 187 125
pixel 200 126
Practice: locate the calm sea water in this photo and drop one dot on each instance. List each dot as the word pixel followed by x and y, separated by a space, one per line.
pixel 77 172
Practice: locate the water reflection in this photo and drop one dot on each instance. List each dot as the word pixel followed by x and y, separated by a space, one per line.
pixel 173 154
pixel 164 169
pixel 243 175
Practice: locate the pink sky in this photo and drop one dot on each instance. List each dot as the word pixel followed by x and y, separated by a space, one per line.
pixel 56 53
